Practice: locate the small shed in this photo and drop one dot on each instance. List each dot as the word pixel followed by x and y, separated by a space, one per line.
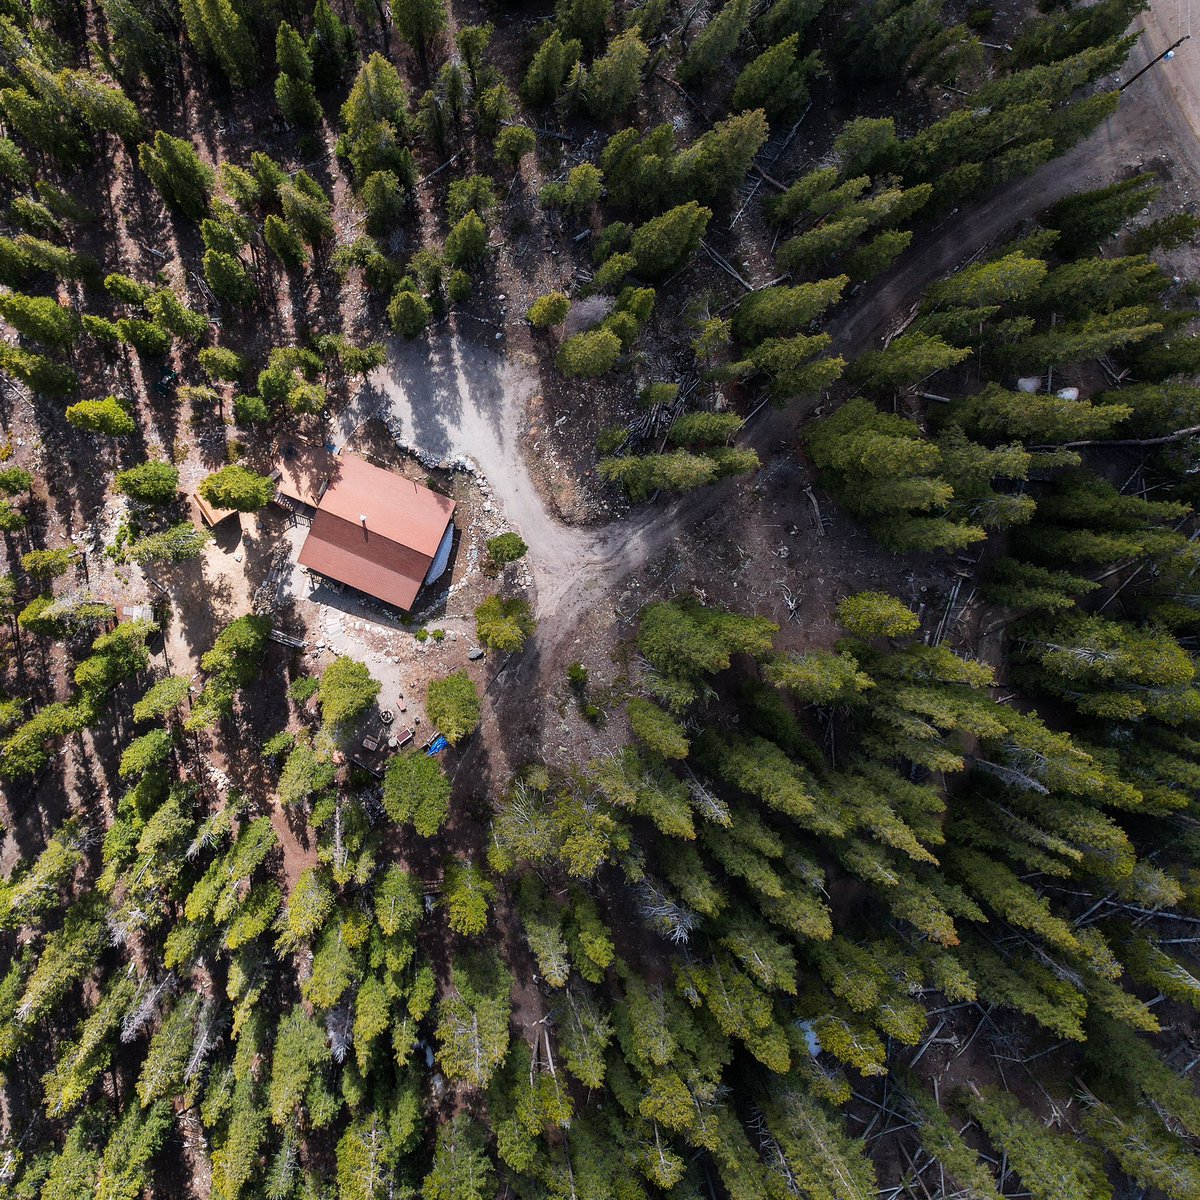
pixel 209 513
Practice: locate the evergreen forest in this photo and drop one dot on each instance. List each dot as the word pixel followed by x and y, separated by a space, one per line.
pixel 888 891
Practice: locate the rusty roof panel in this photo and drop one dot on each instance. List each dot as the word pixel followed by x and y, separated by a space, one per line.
pixel 395 507
pixel 366 561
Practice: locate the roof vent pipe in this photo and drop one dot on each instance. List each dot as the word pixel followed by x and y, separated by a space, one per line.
pixel 362 517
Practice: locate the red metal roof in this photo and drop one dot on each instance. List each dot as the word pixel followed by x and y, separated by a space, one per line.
pixel 388 554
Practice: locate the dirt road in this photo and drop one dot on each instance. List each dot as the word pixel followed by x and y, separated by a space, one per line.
pixel 455 398
pixel 449 398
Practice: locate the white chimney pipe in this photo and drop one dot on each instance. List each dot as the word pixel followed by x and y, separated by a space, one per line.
pixel 362 517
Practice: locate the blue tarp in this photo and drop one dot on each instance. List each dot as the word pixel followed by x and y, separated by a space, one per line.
pixel 438 744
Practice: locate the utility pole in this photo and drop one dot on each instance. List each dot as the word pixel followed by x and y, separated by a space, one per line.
pixel 1168 53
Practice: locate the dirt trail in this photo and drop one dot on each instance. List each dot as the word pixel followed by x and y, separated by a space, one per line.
pixel 453 397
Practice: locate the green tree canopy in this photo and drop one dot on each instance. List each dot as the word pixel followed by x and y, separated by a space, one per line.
pixel 346 691
pixel 453 705
pixel 237 488
pixel 416 791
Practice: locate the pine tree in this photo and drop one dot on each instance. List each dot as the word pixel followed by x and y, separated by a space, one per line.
pixel 467 242
pixel 909 359
pixel 346 690
pixel 657 729
pixel 137 34
pixel 503 625
pixel 221 364
pixel 108 416
pixel 40 318
pixel 1100 285
pixel 409 312
pixel 548 310
pixel 292 54
pixel 612 83
pixel 375 122
pixel 284 242
pixel 639 170
pixel 330 46
pixel 176 170
pixel 297 100
pixel 417 791
pixel 777 80
pixel 704 428
pixel 882 469
pixel 717 41
pixel 237 488
pixel 161 699
pixel 163 1069
pixel 662 245
pixel 453 706
pixel 795 365
pixel 1012 277
pixel 678 471
pixel 309 907
pixel 1154 409
pixel 174 544
pixel 1083 518
pixel 217 31
pixel 301 1054
pixel 876 614
pixel 818 1154
pixel 717 162
pixel 1016 584
pixel 461 1169
pixel 1051 1166
pixel 513 144
pixel 867 146
pixel 1166 233
pixel 473 41
pixel 306 207
pixel 819 677
pixel 419 22
pixel 589 354
pixel 1084 219
pixel 941 1138
pixel 583 188
pixel 886 34
pixel 1144 1149
pixel 146 337
pixel 126 1168
pixel 783 311
pixel 468 893
pixel 472 1028
pixel 583 20
pixel 471 193
pixel 996 414
pixel 1112 669
pixel 687 640
pixel 42 374
pixel 548 71
pixel 874 257
pixel 228 278
pixel 1052 38
pixel 173 315
pixel 829 240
